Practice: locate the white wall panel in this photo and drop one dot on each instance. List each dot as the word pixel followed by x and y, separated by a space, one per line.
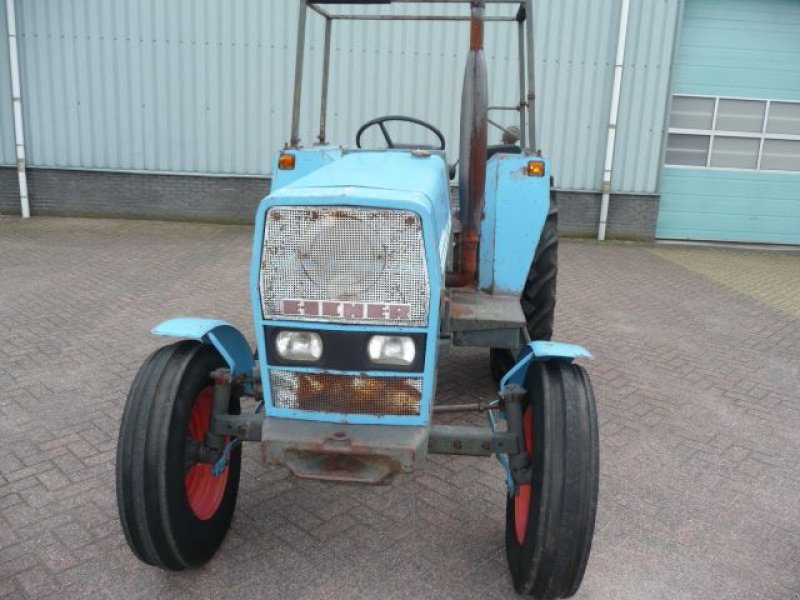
pixel 6 118
pixel 645 95
pixel 204 86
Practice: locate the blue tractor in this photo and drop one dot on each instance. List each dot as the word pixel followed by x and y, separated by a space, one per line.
pixel 359 270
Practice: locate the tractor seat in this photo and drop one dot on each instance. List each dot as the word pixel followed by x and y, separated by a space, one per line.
pixel 504 148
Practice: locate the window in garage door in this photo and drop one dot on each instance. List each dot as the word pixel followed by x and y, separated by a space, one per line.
pixel 734 133
pixel 732 170
pixel 732 165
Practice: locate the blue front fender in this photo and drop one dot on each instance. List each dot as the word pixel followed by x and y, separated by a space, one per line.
pixel 540 350
pixel 228 340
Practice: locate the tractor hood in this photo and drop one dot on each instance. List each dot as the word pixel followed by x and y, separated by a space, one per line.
pixel 352 210
pixel 389 179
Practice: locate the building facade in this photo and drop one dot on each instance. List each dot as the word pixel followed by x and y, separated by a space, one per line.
pixel 174 109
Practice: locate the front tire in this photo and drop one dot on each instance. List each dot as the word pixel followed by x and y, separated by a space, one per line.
pixel 174 515
pixel 550 522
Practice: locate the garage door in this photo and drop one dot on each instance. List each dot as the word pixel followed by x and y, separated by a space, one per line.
pixel 732 169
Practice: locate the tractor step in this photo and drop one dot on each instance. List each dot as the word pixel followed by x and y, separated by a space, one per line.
pixel 489 320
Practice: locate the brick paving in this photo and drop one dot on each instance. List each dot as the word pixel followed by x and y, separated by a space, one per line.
pixel 769 277
pixel 698 395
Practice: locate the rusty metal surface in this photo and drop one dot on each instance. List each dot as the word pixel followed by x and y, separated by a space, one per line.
pixel 465 440
pixel 523 102
pixel 350 394
pixel 246 427
pixel 343 452
pixel 471 309
pixel 343 468
pixel 460 439
pixel 221 403
pixel 388 16
pixel 488 320
pixel 326 71
pixel 415 18
pixel 476 19
pixel 519 462
pixel 322 12
pixel 294 139
pixel 531 96
pixel 490 338
pixel 472 152
pixel 455 408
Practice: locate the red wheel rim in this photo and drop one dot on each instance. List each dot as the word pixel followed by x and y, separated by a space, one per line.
pixel 204 492
pixel 522 501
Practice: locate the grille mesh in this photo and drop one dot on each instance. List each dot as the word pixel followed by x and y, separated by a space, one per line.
pixel 349 394
pixel 344 254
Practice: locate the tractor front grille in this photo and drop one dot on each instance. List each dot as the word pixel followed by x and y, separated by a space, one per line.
pixel 348 394
pixel 323 256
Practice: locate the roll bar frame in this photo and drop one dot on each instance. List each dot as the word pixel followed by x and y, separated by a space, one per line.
pixel 526 108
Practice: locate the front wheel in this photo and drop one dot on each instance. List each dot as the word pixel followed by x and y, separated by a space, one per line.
pixel 550 521
pixel 174 511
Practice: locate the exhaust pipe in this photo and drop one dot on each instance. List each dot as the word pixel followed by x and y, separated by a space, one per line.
pixel 472 152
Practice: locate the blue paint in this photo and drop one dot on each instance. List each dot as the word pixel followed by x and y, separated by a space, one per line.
pixel 375 373
pixel 418 183
pixel 351 419
pixel 384 170
pixel 741 48
pixel 744 49
pixel 228 340
pixel 386 179
pixel 317 325
pixel 222 461
pixel 541 350
pixel 501 458
pixel 544 350
pixel 742 206
pixel 515 209
pixel 307 160
pixel 538 350
pixel 255 299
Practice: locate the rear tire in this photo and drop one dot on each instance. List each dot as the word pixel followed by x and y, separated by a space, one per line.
pixel 538 298
pixel 550 522
pixel 174 516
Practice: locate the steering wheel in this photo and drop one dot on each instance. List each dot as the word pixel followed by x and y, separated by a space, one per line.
pixel 379 121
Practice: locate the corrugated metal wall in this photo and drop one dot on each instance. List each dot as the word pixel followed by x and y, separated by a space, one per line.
pixel 645 94
pixel 204 86
pixel 575 47
pixel 6 118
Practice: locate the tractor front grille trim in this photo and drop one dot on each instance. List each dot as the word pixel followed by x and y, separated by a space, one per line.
pixel 347 394
pixel 361 256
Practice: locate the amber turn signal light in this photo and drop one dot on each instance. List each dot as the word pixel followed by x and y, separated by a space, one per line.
pixel 286 162
pixel 535 168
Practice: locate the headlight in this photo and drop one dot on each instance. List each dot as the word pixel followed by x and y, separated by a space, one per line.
pixel 298 345
pixel 391 350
